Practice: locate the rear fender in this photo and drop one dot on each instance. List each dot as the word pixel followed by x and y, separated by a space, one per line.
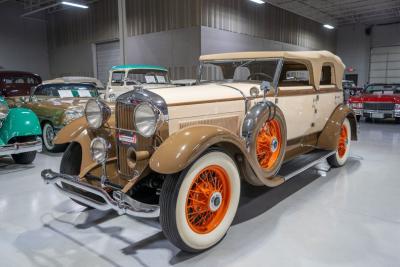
pixel 329 137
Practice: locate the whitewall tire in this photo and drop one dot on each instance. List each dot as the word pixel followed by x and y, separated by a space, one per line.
pixel 199 205
pixel 343 150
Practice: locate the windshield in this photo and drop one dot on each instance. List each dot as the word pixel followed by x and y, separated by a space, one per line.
pixel 147 77
pixel 67 90
pixel 239 71
pixel 386 89
pixel 117 78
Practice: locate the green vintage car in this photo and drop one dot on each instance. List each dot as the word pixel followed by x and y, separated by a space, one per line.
pixel 19 133
pixel 58 102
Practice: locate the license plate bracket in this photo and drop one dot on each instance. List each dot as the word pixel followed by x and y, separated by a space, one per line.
pixel 377 115
pixel 126 138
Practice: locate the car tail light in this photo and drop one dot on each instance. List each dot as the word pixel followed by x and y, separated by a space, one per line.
pixel 357 105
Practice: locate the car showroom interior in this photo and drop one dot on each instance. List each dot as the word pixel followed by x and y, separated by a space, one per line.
pixel 199 133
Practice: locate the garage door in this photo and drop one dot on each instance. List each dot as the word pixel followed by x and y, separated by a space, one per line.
pixel 107 55
pixel 385 65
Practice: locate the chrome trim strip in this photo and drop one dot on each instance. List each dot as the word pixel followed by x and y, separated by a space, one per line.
pixel 119 202
pixel 17 148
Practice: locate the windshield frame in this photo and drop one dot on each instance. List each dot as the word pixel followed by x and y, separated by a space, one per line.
pixel 275 80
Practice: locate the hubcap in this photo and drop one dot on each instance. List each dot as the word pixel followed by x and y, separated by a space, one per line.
pixel 215 201
pixel 49 133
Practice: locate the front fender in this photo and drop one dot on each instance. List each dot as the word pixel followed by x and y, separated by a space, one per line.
pixel 329 137
pixel 19 122
pixel 71 131
pixel 180 149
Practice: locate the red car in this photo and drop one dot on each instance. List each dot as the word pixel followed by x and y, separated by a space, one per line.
pixel 378 101
pixel 17 83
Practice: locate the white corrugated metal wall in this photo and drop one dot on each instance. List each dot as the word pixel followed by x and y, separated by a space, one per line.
pixel 385 65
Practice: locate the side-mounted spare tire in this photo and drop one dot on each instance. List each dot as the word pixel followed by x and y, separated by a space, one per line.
pixel 264 129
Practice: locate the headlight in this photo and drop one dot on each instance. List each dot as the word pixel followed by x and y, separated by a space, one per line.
pixel 97 113
pixel 3 111
pixel 145 119
pixel 98 149
pixel 72 114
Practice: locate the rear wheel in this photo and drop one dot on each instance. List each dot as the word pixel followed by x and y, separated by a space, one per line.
pixel 24 158
pixel 343 149
pixel 198 205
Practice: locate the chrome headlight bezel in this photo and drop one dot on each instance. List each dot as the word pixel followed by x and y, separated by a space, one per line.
pixel 4 110
pixel 99 150
pixel 97 113
pixel 147 124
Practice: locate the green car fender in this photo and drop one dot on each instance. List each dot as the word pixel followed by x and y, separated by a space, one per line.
pixel 19 122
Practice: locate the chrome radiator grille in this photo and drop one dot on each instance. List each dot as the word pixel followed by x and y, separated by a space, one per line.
pixel 124 114
pixel 379 106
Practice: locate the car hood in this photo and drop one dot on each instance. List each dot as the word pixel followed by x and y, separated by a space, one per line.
pixel 376 98
pixel 204 93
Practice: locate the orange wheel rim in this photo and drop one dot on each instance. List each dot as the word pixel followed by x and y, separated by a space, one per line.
pixel 268 144
pixel 208 199
pixel 343 141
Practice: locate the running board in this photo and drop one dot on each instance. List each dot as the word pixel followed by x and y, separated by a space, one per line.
pixel 304 162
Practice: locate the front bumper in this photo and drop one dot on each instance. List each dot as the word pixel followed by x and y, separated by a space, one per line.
pixel 119 201
pixel 17 148
pixel 381 114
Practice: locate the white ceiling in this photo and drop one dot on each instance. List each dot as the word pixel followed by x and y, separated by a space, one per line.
pixel 341 12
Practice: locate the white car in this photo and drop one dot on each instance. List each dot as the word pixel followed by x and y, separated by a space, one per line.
pixel 124 78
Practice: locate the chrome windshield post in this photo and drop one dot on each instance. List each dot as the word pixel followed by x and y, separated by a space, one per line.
pixel 278 71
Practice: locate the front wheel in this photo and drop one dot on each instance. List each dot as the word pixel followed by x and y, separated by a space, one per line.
pixel 343 148
pixel 24 158
pixel 198 205
pixel 48 135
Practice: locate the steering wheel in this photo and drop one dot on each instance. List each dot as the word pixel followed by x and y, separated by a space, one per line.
pixel 254 76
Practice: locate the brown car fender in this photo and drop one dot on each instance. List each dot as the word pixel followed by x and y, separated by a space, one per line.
pixel 183 147
pixel 79 132
pixel 329 137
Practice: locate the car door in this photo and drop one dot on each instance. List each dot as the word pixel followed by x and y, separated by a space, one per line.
pixel 296 98
pixel 329 96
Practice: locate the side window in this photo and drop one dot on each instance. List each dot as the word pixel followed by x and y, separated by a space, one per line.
pixel 327 75
pixel 294 74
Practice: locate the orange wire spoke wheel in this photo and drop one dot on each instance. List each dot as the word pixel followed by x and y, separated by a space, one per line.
pixel 268 144
pixel 208 199
pixel 343 141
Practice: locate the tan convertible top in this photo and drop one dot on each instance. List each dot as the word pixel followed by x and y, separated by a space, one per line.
pixel 314 59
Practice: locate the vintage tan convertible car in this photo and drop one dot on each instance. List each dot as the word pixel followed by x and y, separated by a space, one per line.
pixel 180 153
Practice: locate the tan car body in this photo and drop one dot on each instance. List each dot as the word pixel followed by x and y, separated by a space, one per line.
pixel 211 115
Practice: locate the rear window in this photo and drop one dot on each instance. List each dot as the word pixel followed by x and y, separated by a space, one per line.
pixel 31 80
pixel 65 91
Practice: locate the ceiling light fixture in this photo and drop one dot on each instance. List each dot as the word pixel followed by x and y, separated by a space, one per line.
pixel 330 27
pixel 260 2
pixel 74 4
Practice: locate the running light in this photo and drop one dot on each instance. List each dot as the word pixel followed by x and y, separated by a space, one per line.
pixel 330 27
pixel 74 4
pixel 260 2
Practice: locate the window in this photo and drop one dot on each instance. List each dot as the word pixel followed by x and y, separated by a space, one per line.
pixel 327 75
pixel 67 90
pixel 146 76
pixel 117 78
pixel 239 71
pixel 294 74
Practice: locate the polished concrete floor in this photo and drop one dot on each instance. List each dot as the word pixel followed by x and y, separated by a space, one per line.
pixel 350 217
